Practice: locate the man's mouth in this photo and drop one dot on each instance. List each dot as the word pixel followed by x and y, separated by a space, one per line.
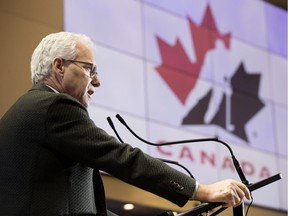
pixel 90 93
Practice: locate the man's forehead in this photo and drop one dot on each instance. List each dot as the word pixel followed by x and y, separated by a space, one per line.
pixel 85 51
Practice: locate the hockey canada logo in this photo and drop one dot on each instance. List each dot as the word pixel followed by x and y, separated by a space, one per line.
pixel 236 109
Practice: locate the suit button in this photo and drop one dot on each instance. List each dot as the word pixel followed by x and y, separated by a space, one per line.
pixel 176 185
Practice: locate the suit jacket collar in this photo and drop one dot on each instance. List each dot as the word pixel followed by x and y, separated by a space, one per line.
pixel 44 87
pixel 41 87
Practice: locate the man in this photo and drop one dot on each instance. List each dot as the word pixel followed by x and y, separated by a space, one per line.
pixel 49 146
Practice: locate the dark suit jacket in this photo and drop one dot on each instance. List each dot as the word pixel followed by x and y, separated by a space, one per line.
pixel 48 149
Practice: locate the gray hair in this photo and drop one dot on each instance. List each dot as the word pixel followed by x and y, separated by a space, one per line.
pixel 61 45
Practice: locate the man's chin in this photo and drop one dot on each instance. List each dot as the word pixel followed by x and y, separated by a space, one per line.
pixel 85 102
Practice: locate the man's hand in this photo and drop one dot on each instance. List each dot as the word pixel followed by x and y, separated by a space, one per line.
pixel 230 192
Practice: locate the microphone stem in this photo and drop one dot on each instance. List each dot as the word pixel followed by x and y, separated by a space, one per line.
pixel 235 162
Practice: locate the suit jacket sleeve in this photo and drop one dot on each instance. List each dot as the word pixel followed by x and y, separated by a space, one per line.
pixel 71 133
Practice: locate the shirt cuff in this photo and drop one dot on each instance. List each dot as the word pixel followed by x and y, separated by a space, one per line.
pixel 195 191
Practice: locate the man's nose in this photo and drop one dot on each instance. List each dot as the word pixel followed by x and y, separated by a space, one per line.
pixel 95 81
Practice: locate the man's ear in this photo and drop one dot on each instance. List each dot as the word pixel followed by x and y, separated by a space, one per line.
pixel 58 66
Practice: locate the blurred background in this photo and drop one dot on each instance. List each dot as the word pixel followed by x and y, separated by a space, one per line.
pixel 25 23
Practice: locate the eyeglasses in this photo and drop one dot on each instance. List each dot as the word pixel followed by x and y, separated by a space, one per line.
pixel 91 69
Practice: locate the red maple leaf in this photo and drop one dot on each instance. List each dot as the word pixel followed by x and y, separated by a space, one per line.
pixel 176 69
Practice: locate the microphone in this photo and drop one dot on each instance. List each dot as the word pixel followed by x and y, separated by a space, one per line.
pixel 236 164
pixel 205 207
pixel 164 160
pixel 114 129
pixel 235 161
